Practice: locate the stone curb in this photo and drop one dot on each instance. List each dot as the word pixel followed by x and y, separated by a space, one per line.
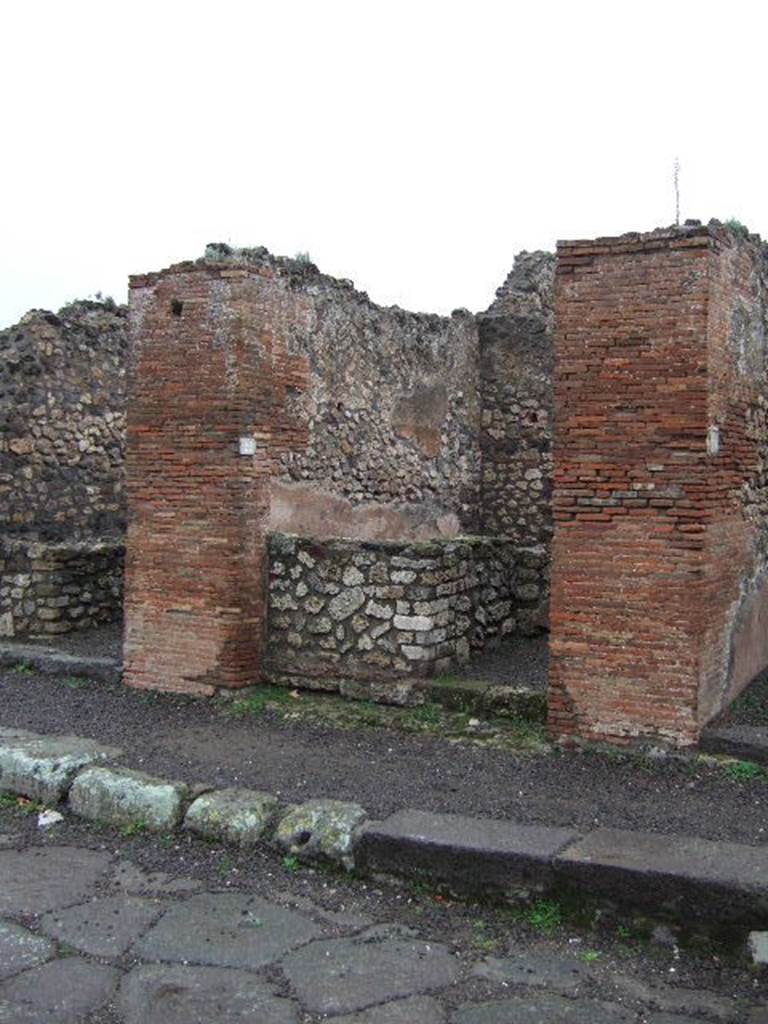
pixel 679 876
pixel 746 742
pixel 50 662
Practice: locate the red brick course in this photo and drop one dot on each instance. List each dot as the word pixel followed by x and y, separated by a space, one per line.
pixel 208 365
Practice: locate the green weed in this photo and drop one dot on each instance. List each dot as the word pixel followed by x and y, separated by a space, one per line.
pixel 743 771
pixel 76 682
pixel 23 668
pixel 481 939
pixel 225 865
pixel 590 955
pixel 257 702
pixel 133 828
pixel 20 803
pixel 546 915
pixel 291 864
pixel 425 715
pixel 735 225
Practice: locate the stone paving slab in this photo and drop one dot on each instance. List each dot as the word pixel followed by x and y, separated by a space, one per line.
pixel 157 994
pixel 544 1008
pixel 37 880
pixel 746 742
pixel 130 878
pixel 345 975
pixel 225 930
pixel 419 1010
pixel 60 992
pixel 43 767
pixel 120 796
pixel 20 949
pixel 561 974
pixel 498 855
pixel 682 874
pixel 671 999
pixel 670 1018
pixel 102 927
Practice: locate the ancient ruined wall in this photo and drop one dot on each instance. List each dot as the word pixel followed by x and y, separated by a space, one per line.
pixel 735 644
pixel 342 403
pixel 516 359
pixel 380 610
pixel 62 423
pixel 657 531
pixel 48 589
pixel 390 409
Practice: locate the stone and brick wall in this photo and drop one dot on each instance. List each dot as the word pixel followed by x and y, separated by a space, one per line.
pixel 660 525
pixel 516 362
pixel 348 407
pixel 377 610
pixel 62 423
pixel 47 589
pixel 389 403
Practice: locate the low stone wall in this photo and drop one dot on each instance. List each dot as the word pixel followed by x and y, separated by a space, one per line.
pixel 47 589
pixel 380 610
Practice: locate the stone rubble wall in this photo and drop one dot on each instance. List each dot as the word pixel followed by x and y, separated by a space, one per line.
pixel 388 402
pixel 386 609
pixel 62 423
pixel 50 589
pixel 516 367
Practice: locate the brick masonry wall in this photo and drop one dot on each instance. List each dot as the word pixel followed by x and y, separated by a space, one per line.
pixel 652 546
pixel 735 646
pixel 62 423
pixel 49 589
pixel 209 364
pixel 516 363
pixel 379 610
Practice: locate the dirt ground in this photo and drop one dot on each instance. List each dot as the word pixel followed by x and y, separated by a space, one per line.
pixel 386 759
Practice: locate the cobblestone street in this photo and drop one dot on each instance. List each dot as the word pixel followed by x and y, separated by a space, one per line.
pixel 102 927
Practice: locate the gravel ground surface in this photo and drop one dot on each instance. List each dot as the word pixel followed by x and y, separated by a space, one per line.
pixel 103 642
pixel 591 954
pixel 386 769
pixel 751 708
pixel 523 661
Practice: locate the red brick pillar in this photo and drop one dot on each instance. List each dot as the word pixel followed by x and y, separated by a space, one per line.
pixel 202 376
pixel 633 496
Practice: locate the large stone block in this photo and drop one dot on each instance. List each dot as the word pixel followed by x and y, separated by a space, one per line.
pixel 125 797
pixel 241 816
pixel 43 767
pixel 321 830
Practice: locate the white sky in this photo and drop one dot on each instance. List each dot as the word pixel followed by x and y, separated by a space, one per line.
pixel 412 146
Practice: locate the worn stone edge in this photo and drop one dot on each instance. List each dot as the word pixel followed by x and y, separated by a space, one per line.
pixel 426 844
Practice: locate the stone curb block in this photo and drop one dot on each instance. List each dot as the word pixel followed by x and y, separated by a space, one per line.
pixel 698 877
pixel 321 830
pixel 239 816
pixel 677 874
pixel 50 662
pixel 119 796
pixel 470 853
pixel 43 767
pixel 746 742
